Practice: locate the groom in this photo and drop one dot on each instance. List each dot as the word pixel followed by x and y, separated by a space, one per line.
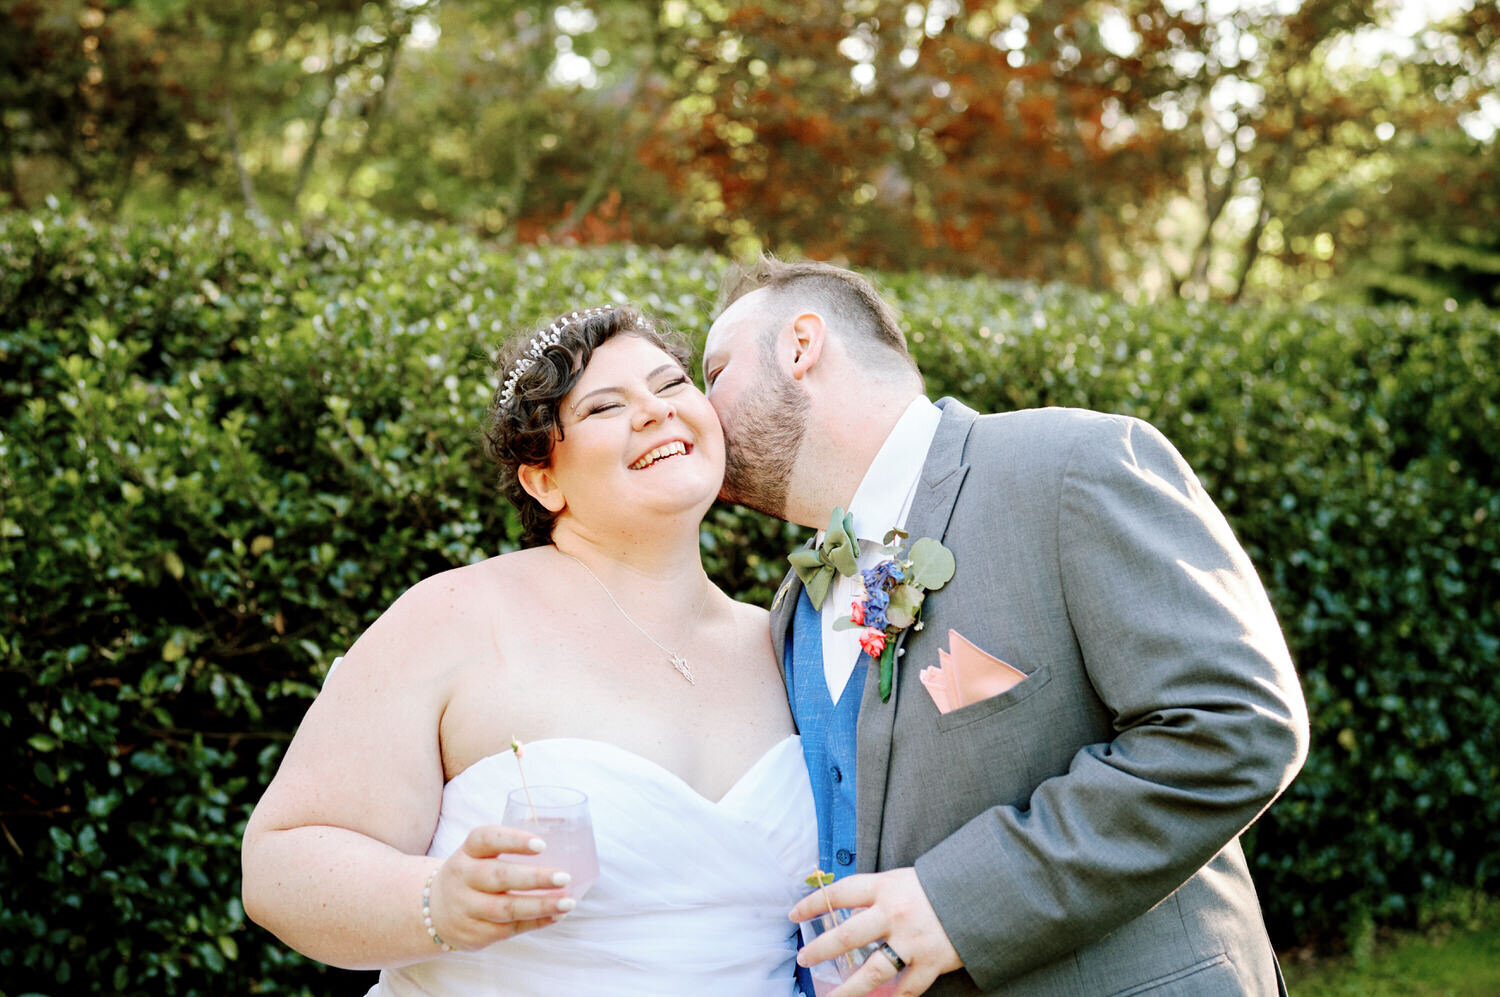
pixel 1072 827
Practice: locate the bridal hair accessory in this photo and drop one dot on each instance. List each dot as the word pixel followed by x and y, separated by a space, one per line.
pixel 427 913
pixel 678 661
pixel 550 336
pixel 838 554
pixel 892 598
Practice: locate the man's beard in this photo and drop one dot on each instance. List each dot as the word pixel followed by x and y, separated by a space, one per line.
pixel 761 452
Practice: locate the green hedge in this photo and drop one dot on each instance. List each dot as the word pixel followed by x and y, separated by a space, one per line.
pixel 223 450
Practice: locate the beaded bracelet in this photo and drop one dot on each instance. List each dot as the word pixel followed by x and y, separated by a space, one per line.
pixel 427 914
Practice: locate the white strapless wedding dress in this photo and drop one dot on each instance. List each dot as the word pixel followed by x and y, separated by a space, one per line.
pixel 692 896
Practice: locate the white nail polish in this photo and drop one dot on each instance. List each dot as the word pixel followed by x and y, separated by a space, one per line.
pixel 561 879
pixel 566 904
pixel 536 844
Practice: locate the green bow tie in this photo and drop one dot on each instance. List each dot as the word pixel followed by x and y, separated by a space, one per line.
pixel 838 554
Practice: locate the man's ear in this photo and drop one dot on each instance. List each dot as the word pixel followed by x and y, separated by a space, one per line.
pixel 541 484
pixel 809 334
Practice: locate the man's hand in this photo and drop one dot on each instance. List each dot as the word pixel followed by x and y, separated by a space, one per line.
pixel 897 912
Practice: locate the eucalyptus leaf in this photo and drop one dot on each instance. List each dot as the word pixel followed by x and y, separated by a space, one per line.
pixel 905 603
pixel 932 564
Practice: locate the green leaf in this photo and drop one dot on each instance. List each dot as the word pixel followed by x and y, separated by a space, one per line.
pixel 932 564
pixel 905 602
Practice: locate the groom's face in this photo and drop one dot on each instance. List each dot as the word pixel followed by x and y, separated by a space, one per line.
pixel 763 412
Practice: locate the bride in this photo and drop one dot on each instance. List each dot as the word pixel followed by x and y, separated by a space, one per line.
pixel 626 673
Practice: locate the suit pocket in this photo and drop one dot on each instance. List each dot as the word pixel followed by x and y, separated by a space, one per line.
pixel 1212 977
pixel 985 708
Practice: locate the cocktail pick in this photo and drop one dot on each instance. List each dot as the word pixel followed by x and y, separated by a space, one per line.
pixel 821 879
pixel 518 749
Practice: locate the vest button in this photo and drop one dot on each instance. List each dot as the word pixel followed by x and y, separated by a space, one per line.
pixel 838 775
pixel 843 856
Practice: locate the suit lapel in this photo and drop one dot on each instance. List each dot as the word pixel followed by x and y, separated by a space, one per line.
pixel 942 476
pixel 783 610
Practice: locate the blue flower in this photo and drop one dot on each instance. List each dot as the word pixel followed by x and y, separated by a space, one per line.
pixel 879 577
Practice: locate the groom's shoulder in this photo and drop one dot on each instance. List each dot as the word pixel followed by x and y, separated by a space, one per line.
pixel 1051 415
pixel 1048 441
pixel 1052 429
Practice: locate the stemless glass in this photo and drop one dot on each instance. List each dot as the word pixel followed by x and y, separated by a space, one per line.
pixel 829 974
pixel 560 817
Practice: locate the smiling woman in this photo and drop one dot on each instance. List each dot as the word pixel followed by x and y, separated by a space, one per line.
pixel 535 373
pixel 633 681
pixel 637 444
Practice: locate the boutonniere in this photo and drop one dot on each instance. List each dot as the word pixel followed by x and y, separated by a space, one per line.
pixel 892 595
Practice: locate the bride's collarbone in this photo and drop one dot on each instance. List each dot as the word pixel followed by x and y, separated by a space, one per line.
pixel 593 653
pixel 706 733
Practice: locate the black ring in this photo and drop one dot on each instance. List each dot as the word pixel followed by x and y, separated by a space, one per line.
pixel 890 953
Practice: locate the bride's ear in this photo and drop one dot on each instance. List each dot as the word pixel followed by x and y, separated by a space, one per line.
pixel 541 484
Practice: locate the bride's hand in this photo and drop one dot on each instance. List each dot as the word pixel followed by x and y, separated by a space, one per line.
pixel 472 902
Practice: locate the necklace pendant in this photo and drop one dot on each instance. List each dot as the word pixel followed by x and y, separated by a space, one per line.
pixel 680 663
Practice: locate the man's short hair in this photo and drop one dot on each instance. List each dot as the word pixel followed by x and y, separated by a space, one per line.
pixel 866 323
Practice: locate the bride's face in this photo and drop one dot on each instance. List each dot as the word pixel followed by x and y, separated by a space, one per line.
pixel 637 435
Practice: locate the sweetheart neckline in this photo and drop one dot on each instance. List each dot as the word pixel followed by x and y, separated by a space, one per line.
pixel 642 760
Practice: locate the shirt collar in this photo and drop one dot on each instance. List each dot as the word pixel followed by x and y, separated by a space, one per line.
pixel 884 494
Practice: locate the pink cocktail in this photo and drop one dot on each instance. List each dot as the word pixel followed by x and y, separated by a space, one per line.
pixel 560 817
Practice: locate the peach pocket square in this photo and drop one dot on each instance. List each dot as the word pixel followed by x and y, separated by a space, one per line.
pixel 966 674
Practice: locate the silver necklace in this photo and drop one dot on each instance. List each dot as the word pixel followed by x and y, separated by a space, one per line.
pixel 678 661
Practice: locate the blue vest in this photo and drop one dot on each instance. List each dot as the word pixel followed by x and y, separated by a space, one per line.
pixel 828 736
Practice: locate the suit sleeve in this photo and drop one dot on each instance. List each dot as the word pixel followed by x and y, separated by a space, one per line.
pixel 1181 645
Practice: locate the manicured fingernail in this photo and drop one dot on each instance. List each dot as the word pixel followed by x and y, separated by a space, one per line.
pixel 536 844
pixel 566 904
pixel 561 879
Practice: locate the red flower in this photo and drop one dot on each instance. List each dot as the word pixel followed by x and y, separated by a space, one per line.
pixel 857 613
pixel 873 642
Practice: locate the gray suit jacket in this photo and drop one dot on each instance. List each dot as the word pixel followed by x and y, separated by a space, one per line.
pixel 1078 834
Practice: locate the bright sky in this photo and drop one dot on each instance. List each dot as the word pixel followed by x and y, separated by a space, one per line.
pixel 1401 38
pixel 1399 35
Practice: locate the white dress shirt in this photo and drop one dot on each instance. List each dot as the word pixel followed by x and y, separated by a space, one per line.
pixel 881 502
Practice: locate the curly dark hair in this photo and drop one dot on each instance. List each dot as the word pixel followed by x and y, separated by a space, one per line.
pixel 522 425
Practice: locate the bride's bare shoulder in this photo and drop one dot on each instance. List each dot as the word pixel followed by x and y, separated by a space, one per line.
pixel 748 612
pixel 748 620
pixel 459 587
pixel 453 606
